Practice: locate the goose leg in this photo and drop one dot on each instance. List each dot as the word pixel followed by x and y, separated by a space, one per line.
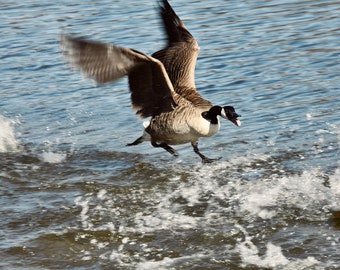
pixel 165 147
pixel 138 141
pixel 203 157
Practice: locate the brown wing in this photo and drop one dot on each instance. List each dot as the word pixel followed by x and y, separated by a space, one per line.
pixel 150 86
pixel 180 55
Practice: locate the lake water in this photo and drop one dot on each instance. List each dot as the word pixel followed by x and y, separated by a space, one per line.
pixel 73 196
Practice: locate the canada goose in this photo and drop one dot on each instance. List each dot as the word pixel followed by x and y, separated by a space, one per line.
pixel 162 85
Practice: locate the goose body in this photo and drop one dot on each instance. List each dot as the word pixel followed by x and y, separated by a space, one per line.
pixel 183 125
pixel 162 85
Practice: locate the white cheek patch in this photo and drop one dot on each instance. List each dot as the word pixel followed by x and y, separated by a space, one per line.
pixel 223 114
pixel 238 122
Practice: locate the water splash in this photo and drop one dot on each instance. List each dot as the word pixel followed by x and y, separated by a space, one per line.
pixel 254 214
pixel 273 257
pixel 8 142
pixel 51 157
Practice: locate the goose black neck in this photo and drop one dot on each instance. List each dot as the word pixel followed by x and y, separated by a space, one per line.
pixel 212 114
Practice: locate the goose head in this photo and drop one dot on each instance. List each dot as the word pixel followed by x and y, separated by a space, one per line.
pixel 227 112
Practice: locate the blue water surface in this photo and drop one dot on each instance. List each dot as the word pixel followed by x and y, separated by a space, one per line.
pixel 74 196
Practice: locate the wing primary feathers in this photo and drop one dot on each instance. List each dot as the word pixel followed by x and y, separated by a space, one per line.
pixel 150 87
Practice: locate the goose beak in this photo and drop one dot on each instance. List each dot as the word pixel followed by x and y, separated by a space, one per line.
pixel 228 112
pixel 235 120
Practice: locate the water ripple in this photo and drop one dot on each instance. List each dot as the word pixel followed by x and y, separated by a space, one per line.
pixel 68 183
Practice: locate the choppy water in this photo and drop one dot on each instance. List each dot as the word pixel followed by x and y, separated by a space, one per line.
pixel 74 197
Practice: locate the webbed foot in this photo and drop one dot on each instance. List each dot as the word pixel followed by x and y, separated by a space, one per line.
pixel 205 159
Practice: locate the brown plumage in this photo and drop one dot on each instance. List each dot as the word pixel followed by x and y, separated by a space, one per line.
pixel 179 56
pixel 162 85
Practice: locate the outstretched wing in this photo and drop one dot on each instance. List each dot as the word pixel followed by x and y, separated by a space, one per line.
pixel 180 55
pixel 150 86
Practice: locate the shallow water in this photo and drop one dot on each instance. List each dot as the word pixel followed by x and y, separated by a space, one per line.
pixel 74 197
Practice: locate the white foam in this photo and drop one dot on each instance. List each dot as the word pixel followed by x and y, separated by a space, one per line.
pixel 101 194
pixel 309 116
pixel 305 191
pixel 250 255
pixel 8 142
pixel 273 257
pixel 163 219
pixel 223 191
pixel 334 184
pixel 51 157
pixel 167 263
pixel 265 196
pixel 84 217
pixel 259 198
